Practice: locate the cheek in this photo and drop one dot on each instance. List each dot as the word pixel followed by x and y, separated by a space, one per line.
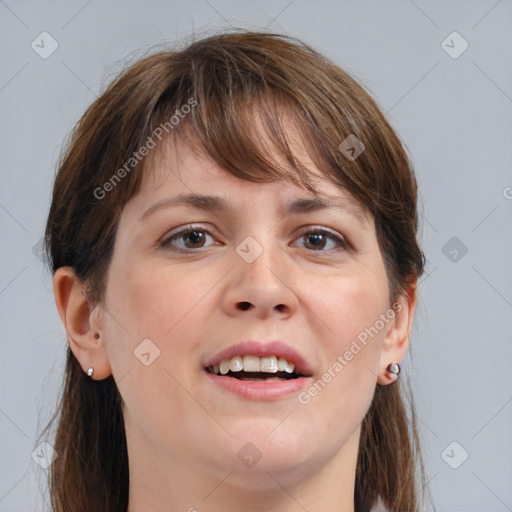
pixel 351 310
pixel 160 304
pixel 151 301
pixel 350 307
pixel 166 308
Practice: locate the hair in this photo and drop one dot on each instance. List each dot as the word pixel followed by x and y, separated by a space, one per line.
pixel 226 80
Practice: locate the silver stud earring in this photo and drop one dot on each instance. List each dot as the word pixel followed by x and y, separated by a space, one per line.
pixel 90 371
pixel 394 370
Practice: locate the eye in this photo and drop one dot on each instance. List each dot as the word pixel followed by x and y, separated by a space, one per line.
pixel 192 237
pixel 317 239
pixel 195 237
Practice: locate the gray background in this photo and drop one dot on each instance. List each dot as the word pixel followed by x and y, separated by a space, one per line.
pixel 454 115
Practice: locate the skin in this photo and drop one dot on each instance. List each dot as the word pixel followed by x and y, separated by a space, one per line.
pixel 183 432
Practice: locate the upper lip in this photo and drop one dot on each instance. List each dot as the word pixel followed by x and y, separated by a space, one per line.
pixel 263 349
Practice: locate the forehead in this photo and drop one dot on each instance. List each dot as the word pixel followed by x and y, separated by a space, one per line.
pixel 258 136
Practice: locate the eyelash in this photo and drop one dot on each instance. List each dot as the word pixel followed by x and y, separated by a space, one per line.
pixel 166 243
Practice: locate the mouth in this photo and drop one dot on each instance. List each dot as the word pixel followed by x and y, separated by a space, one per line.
pixel 255 369
pixel 259 371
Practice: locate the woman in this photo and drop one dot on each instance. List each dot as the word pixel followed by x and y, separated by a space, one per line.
pixel 233 241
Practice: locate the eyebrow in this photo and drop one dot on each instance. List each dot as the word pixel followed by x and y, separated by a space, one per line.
pixel 220 204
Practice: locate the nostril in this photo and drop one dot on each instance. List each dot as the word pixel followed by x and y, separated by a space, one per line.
pixel 245 305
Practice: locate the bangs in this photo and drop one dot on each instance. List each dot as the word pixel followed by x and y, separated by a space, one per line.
pixel 255 139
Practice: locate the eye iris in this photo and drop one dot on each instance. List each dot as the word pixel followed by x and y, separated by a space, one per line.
pixel 318 240
pixel 196 237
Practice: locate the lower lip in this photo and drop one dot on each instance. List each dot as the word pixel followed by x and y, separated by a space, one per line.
pixel 259 390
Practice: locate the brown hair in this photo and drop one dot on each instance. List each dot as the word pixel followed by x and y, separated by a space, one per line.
pixel 225 80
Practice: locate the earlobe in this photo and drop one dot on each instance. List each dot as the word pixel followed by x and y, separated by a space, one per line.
pixel 82 324
pixel 396 342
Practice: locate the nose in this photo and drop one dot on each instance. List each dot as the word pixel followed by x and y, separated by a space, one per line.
pixel 261 288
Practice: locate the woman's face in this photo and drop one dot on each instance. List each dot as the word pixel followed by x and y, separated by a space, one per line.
pixel 306 284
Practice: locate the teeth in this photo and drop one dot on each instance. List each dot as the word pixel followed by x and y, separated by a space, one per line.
pixel 270 364
pixel 251 364
pixel 268 379
pixel 282 364
pixel 289 368
pixel 235 364
pixel 224 367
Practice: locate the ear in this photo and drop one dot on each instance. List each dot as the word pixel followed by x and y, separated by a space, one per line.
pixel 82 322
pixel 396 342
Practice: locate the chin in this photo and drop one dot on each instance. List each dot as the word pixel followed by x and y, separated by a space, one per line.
pixel 285 465
pixel 271 449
